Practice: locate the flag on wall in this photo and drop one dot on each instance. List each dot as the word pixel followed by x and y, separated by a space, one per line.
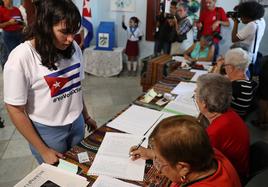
pixel 86 23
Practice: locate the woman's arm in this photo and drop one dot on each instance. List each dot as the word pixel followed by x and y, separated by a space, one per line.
pixel 25 127
pixel 91 124
pixel 7 23
pixel 187 53
pixel 235 30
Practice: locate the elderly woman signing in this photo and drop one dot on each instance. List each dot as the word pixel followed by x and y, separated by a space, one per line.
pixel 180 150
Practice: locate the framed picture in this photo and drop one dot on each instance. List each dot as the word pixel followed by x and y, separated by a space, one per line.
pixel 123 5
pixel 263 2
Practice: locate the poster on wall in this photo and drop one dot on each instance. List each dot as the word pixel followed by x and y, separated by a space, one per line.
pixel 123 5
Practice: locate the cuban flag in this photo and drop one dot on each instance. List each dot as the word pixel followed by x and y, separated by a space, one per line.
pixel 64 80
pixel 86 17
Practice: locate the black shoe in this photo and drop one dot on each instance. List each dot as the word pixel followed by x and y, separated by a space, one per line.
pixel 2 123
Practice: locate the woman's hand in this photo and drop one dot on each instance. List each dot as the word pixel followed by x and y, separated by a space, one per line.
pixel 50 156
pixel 215 25
pixel 91 124
pixel 142 152
pixel 186 57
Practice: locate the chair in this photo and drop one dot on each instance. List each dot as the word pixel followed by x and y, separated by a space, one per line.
pixel 258 174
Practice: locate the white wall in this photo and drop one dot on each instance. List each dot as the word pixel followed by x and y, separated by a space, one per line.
pixel 101 12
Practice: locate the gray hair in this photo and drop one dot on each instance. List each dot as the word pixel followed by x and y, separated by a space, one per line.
pixel 215 91
pixel 238 57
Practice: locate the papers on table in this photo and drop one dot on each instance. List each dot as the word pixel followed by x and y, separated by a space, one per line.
pixel 163 116
pixel 46 175
pixel 135 120
pixel 104 181
pixel 183 104
pixel 149 96
pixel 206 65
pixel 197 73
pixel 184 88
pixel 113 159
pixel 67 166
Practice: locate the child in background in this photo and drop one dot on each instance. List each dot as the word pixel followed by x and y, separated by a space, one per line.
pixel 134 35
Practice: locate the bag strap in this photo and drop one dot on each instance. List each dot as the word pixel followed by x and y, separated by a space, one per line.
pixel 217 16
pixel 255 42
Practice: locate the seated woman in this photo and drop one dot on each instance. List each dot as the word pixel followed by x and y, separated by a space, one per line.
pixel 201 51
pixel 236 63
pixel 180 150
pixel 227 131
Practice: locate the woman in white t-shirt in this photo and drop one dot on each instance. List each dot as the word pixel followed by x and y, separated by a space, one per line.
pixel 251 14
pixel 42 83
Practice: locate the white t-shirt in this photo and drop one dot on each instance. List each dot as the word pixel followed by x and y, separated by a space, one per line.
pixel 53 98
pixel 247 35
pixel 133 35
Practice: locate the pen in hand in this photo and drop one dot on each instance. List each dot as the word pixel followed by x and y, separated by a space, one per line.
pixel 138 146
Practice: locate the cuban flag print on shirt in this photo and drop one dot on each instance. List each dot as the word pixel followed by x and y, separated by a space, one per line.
pixel 86 17
pixel 64 80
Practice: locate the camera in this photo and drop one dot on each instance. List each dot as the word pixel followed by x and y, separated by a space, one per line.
pixel 233 14
pixel 217 35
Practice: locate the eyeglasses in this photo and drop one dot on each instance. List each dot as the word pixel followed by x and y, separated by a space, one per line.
pixel 224 65
pixel 195 103
pixel 158 165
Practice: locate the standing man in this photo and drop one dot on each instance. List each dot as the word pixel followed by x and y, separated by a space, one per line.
pixel 210 22
pixel 163 27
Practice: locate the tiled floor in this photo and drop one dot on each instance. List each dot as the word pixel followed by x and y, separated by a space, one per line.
pixel 104 98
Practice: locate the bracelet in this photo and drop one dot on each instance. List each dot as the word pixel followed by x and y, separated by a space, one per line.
pixel 88 118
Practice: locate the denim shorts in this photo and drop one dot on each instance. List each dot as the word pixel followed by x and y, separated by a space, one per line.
pixel 59 138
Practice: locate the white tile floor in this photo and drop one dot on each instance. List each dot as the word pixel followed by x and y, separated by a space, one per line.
pixel 104 97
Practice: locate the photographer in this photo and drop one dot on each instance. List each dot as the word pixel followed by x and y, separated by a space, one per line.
pixel 164 24
pixel 210 22
pixel 251 14
pixel 183 33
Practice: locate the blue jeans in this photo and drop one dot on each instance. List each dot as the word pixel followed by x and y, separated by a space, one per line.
pixel 3 51
pixel 12 39
pixel 59 138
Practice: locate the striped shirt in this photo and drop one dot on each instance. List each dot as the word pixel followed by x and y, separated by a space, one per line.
pixel 243 95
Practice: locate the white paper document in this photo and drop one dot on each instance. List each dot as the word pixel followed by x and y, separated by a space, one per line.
pixel 197 73
pixel 113 159
pixel 184 88
pixel 46 175
pixel 104 181
pixel 165 115
pixel 135 120
pixel 183 104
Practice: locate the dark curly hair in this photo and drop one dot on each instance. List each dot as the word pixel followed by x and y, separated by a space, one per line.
pixel 48 14
pixel 251 9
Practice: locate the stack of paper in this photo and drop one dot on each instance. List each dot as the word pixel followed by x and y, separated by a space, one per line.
pixel 104 181
pixel 135 120
pixel 197 73
pixel 184 88
pixel 113 159
pixel 47 175
pixel 183 104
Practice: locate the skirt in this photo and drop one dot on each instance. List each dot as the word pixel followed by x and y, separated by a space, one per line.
pixel 132 48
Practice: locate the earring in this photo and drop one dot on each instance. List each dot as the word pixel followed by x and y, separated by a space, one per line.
pixel 184 179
